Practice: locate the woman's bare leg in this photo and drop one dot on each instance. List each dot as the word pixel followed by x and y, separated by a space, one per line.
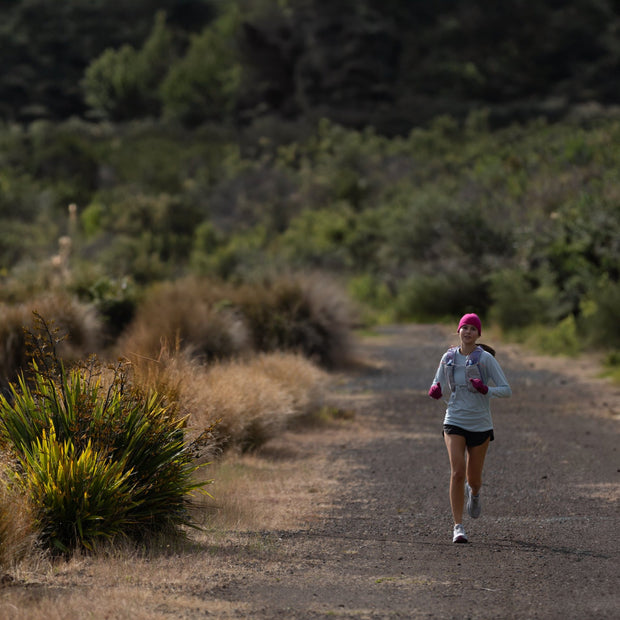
pixel 475 463
pixel 456 453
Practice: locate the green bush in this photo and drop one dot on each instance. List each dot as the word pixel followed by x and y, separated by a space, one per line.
pixel 98 457
pixel 122 84
pixel 204 84
pixel 601 314
pixel 561 339
pixel 374 297
pixel 427 297
pixel 514 301
pixel 307 314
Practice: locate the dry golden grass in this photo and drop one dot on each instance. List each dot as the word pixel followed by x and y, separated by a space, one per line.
pixel 248 401
pixel 17 527
pixel 77 324
pixel 254 400
pixel 285 486
pixel 193 314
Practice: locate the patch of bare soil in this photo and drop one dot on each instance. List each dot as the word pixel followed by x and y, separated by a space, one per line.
pixel 368 534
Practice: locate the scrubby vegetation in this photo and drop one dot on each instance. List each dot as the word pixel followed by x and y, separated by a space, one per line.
pixel 520 224
pixel 217 193
pixel 94 452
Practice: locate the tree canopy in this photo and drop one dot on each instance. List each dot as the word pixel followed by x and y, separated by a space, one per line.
pixel 389 64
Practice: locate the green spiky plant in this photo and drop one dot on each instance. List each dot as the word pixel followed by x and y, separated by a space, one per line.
pixel 80 496
pixel 98 461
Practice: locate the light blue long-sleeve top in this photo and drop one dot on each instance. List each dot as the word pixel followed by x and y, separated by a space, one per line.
pixel 472 410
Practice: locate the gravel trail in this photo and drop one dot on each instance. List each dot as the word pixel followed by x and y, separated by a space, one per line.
pixel 546 545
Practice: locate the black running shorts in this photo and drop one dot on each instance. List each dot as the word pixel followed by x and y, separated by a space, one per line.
pixel 472 438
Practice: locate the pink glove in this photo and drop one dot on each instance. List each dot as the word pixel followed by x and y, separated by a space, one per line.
pixel 435 391
pixel 481 387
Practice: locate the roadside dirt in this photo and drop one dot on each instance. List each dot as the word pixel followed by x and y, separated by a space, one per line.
pixel 546 545
pixel 373 538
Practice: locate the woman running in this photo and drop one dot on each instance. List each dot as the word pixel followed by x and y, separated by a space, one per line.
pixel 466 372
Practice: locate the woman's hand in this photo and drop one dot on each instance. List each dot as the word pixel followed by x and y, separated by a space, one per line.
pixel 435 391
pixel 481 387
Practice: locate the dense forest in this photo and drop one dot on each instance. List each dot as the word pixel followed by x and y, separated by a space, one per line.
pixel 433 157
pixel 390 64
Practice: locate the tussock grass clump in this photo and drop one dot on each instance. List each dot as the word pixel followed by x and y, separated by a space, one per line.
pixel 305 382
pixel 194 315
pixel 307 314
pixel 237 404
pixel 250 406
pixel 76 321
pixel 258 399
pixel 18 532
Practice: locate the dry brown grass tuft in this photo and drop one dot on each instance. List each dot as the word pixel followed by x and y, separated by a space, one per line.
pixel 249 406
pixel 242 403
pixel 18 532
pixel 192 314
pixel 77 323
pixel 303 313
pixel 303 380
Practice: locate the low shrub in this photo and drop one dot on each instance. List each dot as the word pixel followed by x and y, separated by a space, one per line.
pixel 611 365
pixel 193 314
pixel 426 297
pixel 307 314
pixel 561 339
pixel 601 315
pixel 514 301
pixel 78 323
pixel 97 456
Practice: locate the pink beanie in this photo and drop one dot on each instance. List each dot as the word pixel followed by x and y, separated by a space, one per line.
pixel 471 319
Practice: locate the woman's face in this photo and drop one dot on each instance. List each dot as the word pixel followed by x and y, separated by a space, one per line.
pixel 468 334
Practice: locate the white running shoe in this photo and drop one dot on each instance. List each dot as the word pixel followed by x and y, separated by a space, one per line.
pixel 474 506
pixel 459 535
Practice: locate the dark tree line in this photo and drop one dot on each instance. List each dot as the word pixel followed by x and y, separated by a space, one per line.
pixel 387 63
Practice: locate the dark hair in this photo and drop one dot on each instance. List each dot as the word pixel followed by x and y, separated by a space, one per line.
pixel 487 348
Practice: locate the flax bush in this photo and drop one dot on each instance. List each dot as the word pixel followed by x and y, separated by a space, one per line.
pixel 97 456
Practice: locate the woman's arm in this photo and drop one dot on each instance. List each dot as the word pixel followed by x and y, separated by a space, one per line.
pixel 495 374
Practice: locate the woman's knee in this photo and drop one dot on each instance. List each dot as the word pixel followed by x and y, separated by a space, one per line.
pixel 475 482
pixel 458 475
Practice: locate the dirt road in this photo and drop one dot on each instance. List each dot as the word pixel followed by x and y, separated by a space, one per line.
pixel 371 537
pixel 547 543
